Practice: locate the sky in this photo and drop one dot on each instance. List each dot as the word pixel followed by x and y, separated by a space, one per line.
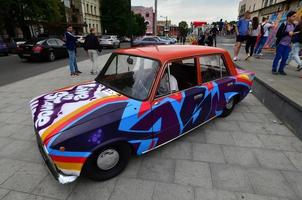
pixel 193 10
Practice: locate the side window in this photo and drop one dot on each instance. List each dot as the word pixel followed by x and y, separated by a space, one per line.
pixel 212 67
pixel 179 75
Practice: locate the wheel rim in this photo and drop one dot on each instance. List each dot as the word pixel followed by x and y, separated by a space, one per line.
pixel 230 104
pixel 52 56
pixel 108 159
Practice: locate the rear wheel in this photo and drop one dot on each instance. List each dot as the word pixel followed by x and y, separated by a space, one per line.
pixel 107 162
pixel 51 56
pixel 229 107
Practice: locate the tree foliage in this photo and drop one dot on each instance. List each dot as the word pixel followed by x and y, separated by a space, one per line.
pixel 183 28
pixel 118 19
pixel 22 13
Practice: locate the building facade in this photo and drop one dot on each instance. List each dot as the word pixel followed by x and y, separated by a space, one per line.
pixel 83 15
pixel 274 10
pixel 91 15
pixel 167 28
pixel 148 14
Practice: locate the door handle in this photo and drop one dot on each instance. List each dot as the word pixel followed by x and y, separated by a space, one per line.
pixel 198 96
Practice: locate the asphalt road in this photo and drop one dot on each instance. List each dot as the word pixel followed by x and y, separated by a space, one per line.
pixel 13 69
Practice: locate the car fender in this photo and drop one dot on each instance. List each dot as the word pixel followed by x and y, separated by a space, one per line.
pixel 110 142
pixel 230 95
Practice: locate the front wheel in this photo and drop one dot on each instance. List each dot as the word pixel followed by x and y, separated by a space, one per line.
pixel 51 56
pixel 107 162
pixel 229 107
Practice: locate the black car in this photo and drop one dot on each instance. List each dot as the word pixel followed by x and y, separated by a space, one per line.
pixel 149 41
pixel 43 49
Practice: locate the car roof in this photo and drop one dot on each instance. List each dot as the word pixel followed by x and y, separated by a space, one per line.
pixel 170 52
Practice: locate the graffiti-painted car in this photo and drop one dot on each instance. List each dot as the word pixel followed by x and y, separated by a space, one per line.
pixel 142 99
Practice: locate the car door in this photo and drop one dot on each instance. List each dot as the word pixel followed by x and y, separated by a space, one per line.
pixel 61 48
pixel 53 46
pixel 177 106
pixel 217 81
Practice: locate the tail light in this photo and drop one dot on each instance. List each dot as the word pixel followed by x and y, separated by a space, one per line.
pixel 37 49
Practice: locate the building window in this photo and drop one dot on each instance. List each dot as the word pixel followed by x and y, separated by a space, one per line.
pixel 271 2
pixel 254 7
pixel 91 7
pixel 89 25
pixel 87 8
pixel 147 14
pixel 97 28
pixel 95 10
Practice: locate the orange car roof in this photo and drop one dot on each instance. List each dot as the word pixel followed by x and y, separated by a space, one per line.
pixel 170 52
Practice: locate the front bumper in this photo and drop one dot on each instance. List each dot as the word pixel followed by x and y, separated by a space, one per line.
pixel 57 174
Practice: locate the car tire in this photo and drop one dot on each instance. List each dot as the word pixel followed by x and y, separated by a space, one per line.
pixel 51 56
pixel 116 156
pixel 229 107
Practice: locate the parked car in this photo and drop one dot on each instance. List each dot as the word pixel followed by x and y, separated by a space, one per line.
pixel 80 40
pixel 142 99
pixel 172 40
pixel 125 39
pixel 149 40
pixel 3 48
pixel 43 49
pixel 110 41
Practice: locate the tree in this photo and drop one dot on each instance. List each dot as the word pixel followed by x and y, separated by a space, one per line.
pixel 183 28
pixel 118 19
pixel 23 13
pixel 139 26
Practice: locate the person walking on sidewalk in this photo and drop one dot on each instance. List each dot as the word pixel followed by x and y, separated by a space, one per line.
pixel 242 31
pixel 264 33
pixel 284 36
pixel 297 45
pixel 92 46
pixel 214 31
pixel 252 37
pixel 71 49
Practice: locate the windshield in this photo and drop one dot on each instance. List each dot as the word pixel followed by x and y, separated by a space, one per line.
pixel 130 75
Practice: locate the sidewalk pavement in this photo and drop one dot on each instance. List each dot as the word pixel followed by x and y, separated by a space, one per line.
pixel 289 86
pixel 246 156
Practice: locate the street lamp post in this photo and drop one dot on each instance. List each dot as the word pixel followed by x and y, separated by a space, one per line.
pixel 155 17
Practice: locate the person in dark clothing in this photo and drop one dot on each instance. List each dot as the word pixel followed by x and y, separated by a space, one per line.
pixel 296 46
pixel 284 36
pixel 92 46
pixel 201 39
pixel 254 31
pixel 214 31
pixel 71 48
pixel 209 39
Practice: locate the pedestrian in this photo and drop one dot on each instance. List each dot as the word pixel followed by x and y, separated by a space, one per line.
pixel 71 49
pixel 284 36
pixel 242 31
pixel 220 26
pixel 209 39
pixel 214 31
pixel 92 47
pixel 201 39
pixel 184 40
pixel 254 31
pixel 296 46
pixel 264 33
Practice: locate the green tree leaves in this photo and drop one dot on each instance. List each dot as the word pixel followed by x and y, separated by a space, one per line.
pixel 118 19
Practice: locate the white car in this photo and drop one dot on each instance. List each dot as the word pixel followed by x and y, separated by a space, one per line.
pixel 110 41
pixel 80 40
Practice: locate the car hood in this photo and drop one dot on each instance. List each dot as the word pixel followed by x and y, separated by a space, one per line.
pixel 57 111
